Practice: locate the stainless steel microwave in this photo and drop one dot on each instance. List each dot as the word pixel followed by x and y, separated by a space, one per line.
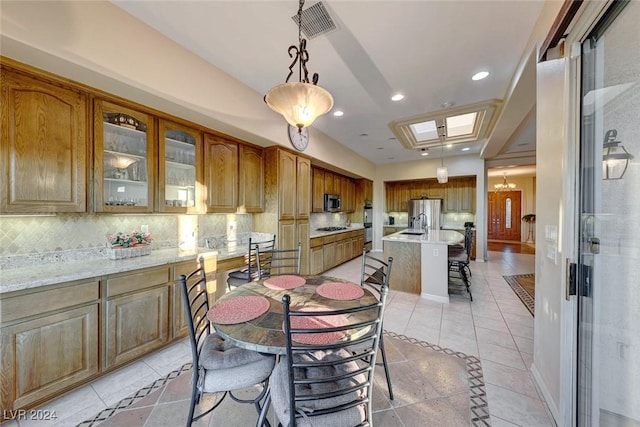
pixel 332 203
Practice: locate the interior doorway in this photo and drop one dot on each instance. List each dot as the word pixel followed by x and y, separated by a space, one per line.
pixel 504 215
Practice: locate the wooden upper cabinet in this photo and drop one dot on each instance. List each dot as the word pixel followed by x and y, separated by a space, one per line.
pixel 317 204
pixel 337 184
pixel 220 174
pixel 466 194
pixel 124 159
pixel 287 187
pixel 303 188
pixel 328 184
pixel 451 198
pixel 179 168
pixel 44 145
pixel 368 191
pixel 251 180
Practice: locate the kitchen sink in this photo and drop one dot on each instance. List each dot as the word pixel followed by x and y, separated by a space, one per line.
pixel 413 233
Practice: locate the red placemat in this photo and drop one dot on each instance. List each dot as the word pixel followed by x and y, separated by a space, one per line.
pixel 318 322
pixel 340 291
pixel 286 281
pixel 238 310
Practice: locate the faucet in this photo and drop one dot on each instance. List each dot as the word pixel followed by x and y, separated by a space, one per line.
pixel 417 217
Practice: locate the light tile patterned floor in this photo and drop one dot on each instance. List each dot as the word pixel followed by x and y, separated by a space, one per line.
pixel 495 327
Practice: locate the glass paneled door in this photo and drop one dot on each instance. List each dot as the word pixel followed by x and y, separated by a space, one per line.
pixel 608 360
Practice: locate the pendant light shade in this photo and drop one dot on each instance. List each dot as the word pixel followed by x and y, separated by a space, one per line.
pixel 442 174
pixel 302 102
pixel 299 103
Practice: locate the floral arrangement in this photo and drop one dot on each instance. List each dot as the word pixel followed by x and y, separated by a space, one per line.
pixel 135 238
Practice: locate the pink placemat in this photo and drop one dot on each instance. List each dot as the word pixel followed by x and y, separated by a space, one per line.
pixel 340 291
pixel 318 322
pixel 238 310
pixel 286 281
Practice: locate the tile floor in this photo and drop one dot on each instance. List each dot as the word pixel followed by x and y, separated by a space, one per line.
pixel 496 327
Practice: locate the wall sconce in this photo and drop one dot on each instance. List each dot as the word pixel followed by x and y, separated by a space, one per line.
pixel 615 158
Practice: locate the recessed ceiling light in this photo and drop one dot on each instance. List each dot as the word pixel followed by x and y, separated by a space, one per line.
pixel 392 138
pixel 379 148
pixel 481 75
pixel 449 145
pixel 426 153
pixel 338 113
pixel 364 134
pixel 466 149
pixel 397 97
pixel 447 104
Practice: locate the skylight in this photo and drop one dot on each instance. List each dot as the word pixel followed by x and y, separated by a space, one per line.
pixel 424 131
pixel 460 125
pixel 463 125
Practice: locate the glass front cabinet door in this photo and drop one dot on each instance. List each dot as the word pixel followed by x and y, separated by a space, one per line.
pixel 179 173
pixel 124 159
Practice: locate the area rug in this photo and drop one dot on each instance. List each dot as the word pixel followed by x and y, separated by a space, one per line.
pixel 524 286
pixel 145 406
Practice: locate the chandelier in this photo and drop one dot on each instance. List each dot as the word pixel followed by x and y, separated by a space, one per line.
pixel 300 103
pixel 505 186
pixel 441 173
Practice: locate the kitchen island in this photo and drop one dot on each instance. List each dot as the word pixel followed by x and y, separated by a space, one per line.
pixel 420 261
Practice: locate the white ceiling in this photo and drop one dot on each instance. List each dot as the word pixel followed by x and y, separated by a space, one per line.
pixel 427 50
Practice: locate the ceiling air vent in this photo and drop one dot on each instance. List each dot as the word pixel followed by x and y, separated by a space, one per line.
pixel 316 21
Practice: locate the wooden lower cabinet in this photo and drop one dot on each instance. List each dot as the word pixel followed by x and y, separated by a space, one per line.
pixel 136 314
pixel 47 351
pixel 329 253
pixel 337 249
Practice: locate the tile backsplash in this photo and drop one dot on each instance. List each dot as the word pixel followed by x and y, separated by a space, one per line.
pixel 28 235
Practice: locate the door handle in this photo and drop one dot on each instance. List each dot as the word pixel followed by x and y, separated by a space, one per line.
pixel 594 245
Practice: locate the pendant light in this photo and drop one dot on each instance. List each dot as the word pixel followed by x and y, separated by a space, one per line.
pixel 441 173
pixel 300 103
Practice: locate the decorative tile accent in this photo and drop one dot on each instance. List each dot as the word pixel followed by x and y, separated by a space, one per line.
pixel 137 396
pixel 524 296
pixel 28 239
pixel 477 394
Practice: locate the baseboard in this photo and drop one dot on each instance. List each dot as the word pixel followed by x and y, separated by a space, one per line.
pixel 548 399
pixel 435 298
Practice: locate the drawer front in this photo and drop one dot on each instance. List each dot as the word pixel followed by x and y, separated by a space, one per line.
pixel 129 282
pixel 26 305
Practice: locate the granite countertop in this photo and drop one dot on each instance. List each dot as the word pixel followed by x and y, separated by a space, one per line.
pixel 396 225
pixel 318 233
pixel 43 274
pixel 440 237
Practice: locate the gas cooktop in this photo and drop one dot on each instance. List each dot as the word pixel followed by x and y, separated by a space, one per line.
pixel 332 228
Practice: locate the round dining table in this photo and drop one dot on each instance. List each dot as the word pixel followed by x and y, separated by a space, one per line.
pixel 265 333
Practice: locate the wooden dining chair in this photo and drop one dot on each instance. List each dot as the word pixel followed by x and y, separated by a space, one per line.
pixel 250 272
pixel 327 384
pixel 276 262
pixel 375 276
pixel 218 366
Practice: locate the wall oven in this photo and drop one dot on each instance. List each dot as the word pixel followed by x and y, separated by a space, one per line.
pixel 368 234
pixel 368 223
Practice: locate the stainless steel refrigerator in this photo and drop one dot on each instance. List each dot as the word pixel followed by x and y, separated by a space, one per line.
pixel 425 213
